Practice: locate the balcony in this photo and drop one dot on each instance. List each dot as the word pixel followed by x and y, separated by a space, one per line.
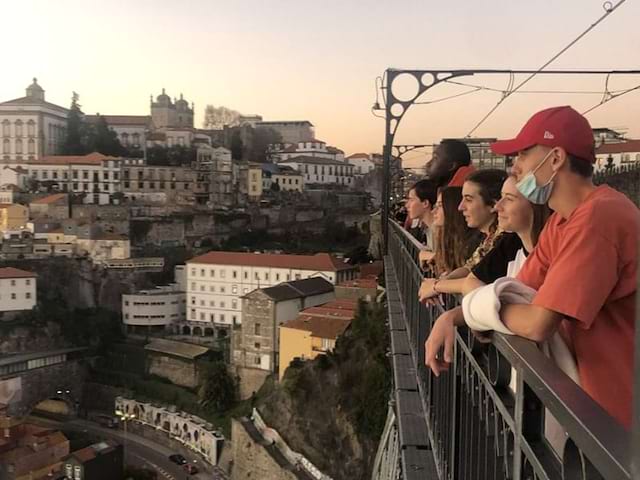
pixel 485 417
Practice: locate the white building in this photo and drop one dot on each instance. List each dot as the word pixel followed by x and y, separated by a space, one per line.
pixel 362 163
pixel 310 148
pixel 154 310
pixel 323 171
pixel 288 180
pixel 95 175
pixel 31 127
pixel 17 290
pixel 618 154
pixel 217 280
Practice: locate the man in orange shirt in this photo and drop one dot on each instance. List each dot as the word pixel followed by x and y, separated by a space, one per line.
pixel 584 265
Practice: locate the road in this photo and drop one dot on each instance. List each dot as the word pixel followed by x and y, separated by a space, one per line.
pixel 139 451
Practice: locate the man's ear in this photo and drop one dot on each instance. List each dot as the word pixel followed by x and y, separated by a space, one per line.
pixel 559 158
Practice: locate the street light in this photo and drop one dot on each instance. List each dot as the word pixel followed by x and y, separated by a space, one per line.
pixel 125 417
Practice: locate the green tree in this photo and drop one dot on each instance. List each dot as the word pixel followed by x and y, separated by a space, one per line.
pixel 74 143
pixel 217 387
pixel 103 139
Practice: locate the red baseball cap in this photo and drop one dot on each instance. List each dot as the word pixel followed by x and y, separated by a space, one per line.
pixel 554 127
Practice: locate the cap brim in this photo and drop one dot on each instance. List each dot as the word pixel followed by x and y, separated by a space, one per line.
pixel 510 147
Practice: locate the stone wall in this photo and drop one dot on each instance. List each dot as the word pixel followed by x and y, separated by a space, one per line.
pixel 44 383
pixel 179 372
pixel 251 379
pixel 251 460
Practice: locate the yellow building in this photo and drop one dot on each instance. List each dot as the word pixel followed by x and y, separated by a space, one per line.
pixel 314 332
pixel 254 187
pixel 288 180
pixel 13 216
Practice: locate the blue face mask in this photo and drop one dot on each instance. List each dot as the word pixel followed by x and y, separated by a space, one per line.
pixel 530 189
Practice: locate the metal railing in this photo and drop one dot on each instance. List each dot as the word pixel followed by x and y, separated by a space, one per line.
pixel 485 417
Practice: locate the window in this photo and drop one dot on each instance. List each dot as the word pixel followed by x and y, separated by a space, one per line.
pixel 75 174
pixel 193 300
pixel 202 316
pixel 18 146
pixel 212 303
pixel 18 128
pixel 13 296
pixel 193 314
pixel 202 303
pixel 257 361
pixel 212 272
pixel 28 281
pixel 257 346
pixel 85 174
pixel 202 288
pixel 222 317
pixel 6 146
pixel 212 288
pixel 246 275
pixel 234 304
pixel 193 285
pixel 193 272
pixel 222 289
pixel 234 274
pixel 222 273
pixel 31 146
pixel 212 317
pixel 13 283
pixel 256 329
pixel 6 128
pixel 277 277
pixel 222 305
pixel 202 272
pixel 234 290
pixel 28 295
pixel 266 276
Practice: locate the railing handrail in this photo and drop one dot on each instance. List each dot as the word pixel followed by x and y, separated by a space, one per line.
pixel 599 436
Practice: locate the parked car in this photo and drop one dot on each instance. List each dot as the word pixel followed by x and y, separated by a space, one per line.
pixel 190 469
pixel 177 459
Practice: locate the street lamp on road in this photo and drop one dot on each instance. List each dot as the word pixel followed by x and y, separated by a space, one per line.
pixel 125 417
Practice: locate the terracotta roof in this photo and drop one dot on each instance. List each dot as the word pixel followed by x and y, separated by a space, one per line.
pixel 288 172
pixel 85 454
pixel 361 283
pixel 50 198
pixel 358 155
pixel 320 262
pixel 317 160
pixel 134 120
pixel 94 158
pixel 323 311
pixel 371 269
pixel 318 326
pixel 10 272
pixel 622 147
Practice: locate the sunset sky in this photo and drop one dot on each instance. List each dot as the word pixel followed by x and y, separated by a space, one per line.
pixel 318 60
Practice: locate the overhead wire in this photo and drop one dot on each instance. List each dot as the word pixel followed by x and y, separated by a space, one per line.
pixel 609 9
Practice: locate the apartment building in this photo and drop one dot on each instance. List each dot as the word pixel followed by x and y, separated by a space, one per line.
pixel 216 281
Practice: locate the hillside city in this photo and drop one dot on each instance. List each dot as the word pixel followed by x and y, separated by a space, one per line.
pixel 215 302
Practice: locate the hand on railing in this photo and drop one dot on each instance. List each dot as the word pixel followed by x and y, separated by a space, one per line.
pixel 427 292
pixel 438 349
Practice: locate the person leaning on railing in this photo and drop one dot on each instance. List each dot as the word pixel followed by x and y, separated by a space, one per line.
pixel 583 267
pixel 420 202
pixel 480 193
pixel 454 241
